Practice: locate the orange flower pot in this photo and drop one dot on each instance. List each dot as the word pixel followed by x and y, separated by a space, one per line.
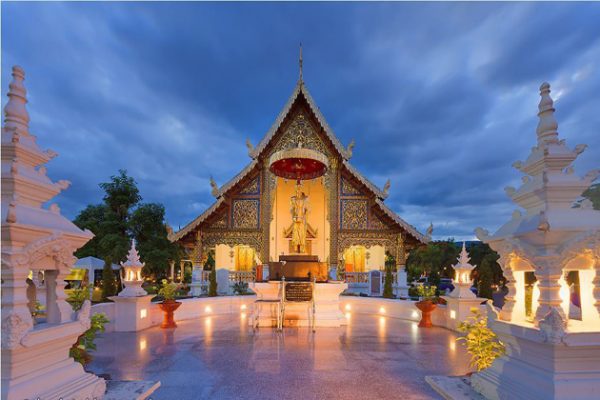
pixel 426 307
pixel 169 307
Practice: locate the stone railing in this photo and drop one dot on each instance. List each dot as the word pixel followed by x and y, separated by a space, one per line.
pixel 356 277
pixel 241 276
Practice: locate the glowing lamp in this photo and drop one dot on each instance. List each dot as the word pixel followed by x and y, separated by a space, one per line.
pixel 131 275
pixel 143 313
pixel 462 279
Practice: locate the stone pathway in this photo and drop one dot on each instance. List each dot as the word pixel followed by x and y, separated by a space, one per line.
pixel 220 357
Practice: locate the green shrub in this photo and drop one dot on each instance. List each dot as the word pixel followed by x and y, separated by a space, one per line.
pixel 240 288
pixel 482 343
pixel 427 292
pixel 168 291
pixel 388 290
pixel 77 297
pixel 212 283
pixel 80 351
pixel 109 281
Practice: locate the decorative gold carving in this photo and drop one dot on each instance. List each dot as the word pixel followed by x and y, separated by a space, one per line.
pixel 220 222
pixel 375 222
pixel 300 130
pixel 367 239
pixel 348 189
pixel 253 187
pixel 354 214
pixel 233 238
pixel 332 182
pixel 245 213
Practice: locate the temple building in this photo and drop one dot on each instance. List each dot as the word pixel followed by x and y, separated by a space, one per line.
pixel 299 194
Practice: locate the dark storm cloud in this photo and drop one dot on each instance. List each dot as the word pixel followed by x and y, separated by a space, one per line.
pixel 441 98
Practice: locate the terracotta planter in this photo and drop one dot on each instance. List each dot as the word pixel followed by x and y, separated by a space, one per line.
pixel 169 307
pixel 426 307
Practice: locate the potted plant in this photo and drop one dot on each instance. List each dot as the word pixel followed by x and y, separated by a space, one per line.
pixel 426 304
pixel 168 305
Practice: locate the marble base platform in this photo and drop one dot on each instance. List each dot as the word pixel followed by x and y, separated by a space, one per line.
pixel 327 306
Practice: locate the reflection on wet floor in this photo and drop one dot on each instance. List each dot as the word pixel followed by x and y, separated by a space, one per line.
pixel 373 357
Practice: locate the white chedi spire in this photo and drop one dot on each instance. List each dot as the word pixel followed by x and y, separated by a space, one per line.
pixel 15 111
pixel 547 129
pixel 132 277
pixel 133 257
pixel 462 281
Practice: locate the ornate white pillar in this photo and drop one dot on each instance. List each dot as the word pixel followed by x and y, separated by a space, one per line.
pixel 548 272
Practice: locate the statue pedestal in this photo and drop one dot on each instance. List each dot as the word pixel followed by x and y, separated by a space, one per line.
pixel 132 314
pixel 327 306
pixel 196 285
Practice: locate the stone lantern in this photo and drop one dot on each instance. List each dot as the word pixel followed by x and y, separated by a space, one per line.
pixel 462 279
pixel 132 275
pixel 461 300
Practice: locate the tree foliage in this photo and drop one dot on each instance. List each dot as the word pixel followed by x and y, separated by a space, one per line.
pixel 109 281
pixel 120 218
pixel 148 227
pixel 434 260
pixel 388 291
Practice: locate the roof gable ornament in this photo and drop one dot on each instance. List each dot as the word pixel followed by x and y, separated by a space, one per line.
pixel 350 148
pixel 215 187
pixel 386 187
pixel 300 63
pixel 250 147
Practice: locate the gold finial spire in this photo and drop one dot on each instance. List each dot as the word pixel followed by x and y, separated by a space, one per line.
pixel 300 61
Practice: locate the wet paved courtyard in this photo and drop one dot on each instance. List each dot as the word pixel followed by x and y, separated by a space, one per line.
pixel 220 357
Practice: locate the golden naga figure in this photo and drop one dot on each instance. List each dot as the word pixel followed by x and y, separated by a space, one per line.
pixel 299 207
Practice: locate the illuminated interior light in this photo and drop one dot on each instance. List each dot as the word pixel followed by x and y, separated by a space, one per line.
pixel 452 314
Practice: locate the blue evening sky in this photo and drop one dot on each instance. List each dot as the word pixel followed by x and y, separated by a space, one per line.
pixel 440 97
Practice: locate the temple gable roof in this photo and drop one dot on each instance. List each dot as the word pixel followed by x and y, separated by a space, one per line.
pixel 258 153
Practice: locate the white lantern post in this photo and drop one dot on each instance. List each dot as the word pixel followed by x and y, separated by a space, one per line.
pixel 461 300
pixel 132 275
pixel 132 308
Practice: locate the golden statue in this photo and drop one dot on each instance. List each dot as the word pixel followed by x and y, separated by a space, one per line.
pixel 299 208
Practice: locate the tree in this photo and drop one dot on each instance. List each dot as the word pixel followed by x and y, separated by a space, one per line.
pixel 592 194
pixel 486 277
pixel 91 218
pixel 434 260
pixel 109 222
pixel 147 225
pixel 109 282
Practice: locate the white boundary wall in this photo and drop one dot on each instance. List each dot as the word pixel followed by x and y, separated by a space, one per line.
pixel 204 306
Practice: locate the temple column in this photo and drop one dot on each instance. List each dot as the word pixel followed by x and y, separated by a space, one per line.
pixel 172 270
pixel 265 213
pixel 196 256
pixel 401 275
pixel 509 299
pixel 548 272
pixel 333 216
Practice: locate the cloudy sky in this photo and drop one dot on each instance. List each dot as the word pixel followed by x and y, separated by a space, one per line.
pixel 441 98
